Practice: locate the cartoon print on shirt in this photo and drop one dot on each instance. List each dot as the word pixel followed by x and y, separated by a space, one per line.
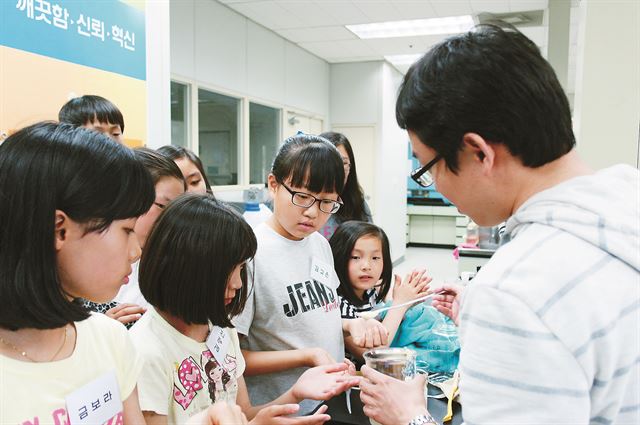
pixel 217 378
pixel 191 375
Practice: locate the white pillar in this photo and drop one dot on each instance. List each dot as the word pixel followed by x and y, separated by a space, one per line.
pixel 558 44
pixel 607 99
pixel 158 73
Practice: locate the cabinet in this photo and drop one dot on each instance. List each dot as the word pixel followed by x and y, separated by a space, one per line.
pixel 435 225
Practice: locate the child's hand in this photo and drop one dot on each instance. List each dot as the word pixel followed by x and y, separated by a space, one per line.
pixel 317 357
pixel 415 285
pixel 367 333
pixel 323 382
pixel 351 368
pixel 220 413
pixel 126 313
pixel 278 415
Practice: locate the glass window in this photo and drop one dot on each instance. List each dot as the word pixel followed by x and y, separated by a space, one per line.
pixel 264 139
pixel 218 132
pixel 179 119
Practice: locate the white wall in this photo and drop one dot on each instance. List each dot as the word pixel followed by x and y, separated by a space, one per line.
pixel 607 101
pixel 221 49
pixel 355 92
pixel 363 94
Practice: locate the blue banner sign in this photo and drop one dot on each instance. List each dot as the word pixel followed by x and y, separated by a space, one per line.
pixel 105 34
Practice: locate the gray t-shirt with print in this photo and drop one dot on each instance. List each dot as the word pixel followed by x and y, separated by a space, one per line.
pixel 288 309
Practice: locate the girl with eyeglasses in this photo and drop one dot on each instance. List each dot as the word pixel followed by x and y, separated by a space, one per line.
pixel 354 206
pixel 291 320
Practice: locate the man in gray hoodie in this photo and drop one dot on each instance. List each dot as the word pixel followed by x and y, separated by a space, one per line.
pixel 550 327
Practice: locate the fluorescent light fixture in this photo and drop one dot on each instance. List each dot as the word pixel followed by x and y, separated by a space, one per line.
pixel 450 25
pixel 399 60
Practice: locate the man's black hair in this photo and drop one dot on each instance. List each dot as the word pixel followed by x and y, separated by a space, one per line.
pixel 491 81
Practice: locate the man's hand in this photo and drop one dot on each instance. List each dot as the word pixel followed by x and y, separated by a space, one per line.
pixel 448 303
pixel 390 401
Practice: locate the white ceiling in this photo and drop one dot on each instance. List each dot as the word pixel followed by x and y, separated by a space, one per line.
pixel 318 26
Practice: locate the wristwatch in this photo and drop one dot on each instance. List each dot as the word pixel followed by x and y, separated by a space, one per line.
pixel 425 419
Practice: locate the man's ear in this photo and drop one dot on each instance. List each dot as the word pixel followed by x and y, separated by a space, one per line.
pixel 482 151
pixel 272 184
pixel 61 228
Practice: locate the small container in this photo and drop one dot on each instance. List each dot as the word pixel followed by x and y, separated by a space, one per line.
pixel 399 363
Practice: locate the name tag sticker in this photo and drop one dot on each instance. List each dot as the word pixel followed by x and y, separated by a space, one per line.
pixel 322 272
pixel 218 343
pixel 96 402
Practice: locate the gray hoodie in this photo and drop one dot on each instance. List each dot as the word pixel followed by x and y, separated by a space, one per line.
pixel 550 327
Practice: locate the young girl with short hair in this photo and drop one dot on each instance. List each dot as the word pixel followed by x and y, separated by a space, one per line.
pixel 129 304
pixel 362 261
pixel 69 200
pixel 193 273
pixel 292 318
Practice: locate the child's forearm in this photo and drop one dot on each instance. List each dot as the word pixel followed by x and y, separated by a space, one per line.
pixel 261 362
pixel 393 319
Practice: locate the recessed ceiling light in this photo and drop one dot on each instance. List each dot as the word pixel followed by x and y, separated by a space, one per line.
pixel 399 60
pixel 450 25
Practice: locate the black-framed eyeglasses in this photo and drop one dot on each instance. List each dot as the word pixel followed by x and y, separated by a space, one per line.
pixel 305 200
pixel 422 175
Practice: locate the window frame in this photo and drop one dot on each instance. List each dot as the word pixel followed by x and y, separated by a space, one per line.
pixel 244 143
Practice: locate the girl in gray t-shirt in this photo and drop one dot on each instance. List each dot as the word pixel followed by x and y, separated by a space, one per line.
pixel 292 318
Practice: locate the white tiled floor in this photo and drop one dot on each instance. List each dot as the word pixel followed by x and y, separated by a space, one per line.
pixel 439 263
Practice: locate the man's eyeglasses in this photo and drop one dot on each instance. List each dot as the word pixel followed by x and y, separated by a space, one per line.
pixel 422 175
pixel 305 200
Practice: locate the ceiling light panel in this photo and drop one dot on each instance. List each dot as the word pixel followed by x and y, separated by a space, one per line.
pixel 403 59
pixel 416 27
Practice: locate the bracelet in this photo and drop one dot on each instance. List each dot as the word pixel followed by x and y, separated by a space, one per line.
pixel 425 419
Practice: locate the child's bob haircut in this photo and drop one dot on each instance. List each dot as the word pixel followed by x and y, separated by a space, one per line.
pixel 89 108
pixel 309 162
pixel 48 167
pixel 158 165
pixel 191 252
pixel 342 243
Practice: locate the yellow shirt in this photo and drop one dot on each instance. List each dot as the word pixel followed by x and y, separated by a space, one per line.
pixel 34 393
pixel 180 376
